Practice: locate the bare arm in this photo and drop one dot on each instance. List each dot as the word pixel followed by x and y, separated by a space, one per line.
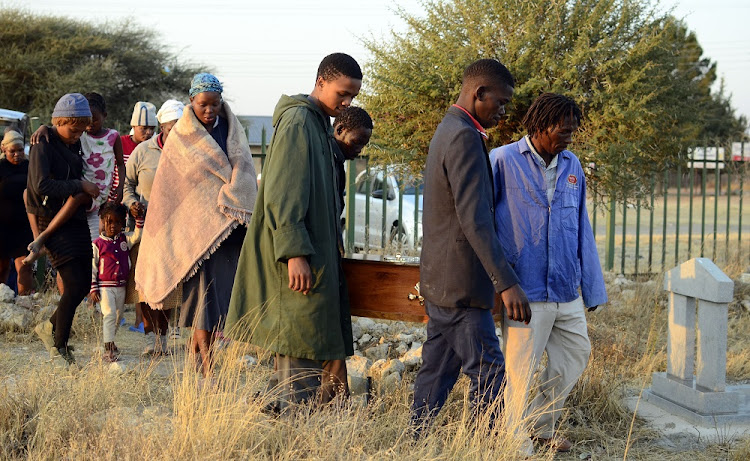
pixel 120 165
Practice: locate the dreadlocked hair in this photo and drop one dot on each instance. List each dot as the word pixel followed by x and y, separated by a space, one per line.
pixel 352 118
pixel 548 111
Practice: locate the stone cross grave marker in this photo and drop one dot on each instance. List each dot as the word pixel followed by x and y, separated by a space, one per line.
pixel 694 385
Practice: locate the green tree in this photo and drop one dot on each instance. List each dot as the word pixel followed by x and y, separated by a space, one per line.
pixel 637 74
pixel 45 57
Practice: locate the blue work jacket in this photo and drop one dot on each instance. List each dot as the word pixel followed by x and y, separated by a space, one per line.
pixel 550 246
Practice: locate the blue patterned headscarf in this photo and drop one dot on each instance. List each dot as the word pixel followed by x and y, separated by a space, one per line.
pixel 205 82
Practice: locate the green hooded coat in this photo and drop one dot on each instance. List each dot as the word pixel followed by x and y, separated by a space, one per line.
pixel 295 215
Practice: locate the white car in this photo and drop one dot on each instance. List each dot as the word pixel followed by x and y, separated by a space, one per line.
pixel 387 229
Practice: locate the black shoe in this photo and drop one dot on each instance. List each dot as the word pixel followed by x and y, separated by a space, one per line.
pixel 67 354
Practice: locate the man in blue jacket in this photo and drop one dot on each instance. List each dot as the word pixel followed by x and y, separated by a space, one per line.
pixel 543 226
pixel 462 266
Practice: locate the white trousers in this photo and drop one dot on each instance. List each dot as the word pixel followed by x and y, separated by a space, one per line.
pixel 560 330
pixel 113 306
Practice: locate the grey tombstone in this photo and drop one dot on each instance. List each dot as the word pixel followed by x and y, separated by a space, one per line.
pixel 694 385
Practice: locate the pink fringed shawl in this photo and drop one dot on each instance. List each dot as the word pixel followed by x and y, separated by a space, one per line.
pixel 199 195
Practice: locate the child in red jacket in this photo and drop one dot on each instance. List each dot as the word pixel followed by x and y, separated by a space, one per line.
pixel 110 268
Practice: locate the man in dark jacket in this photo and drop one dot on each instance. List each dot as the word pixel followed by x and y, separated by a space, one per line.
pixel 462 262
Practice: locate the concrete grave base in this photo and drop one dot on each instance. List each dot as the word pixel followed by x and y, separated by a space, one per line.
pixel 700 407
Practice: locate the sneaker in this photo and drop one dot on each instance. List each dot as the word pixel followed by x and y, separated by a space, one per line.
pixel 45 333
pixel 138 329
pixel 150 348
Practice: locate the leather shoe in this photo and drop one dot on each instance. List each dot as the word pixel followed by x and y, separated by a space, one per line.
pixel 557 444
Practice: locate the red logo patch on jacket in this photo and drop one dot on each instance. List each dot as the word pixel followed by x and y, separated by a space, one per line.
pixel 572 179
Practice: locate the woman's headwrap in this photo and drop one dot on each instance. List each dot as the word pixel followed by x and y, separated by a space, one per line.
pixel 205 82
pixel 11 138
pixel 170 110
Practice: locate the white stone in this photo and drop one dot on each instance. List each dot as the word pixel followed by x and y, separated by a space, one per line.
pixel 390 383
pixel 26 302
pixel 44 313
pixel 13 317
pixel 247 361
pixel 6 293
pixel 356 331
pixel 745 305
pixel 745 278
pixel 404 337
pixel 378 352
pixel 401 348
pixel 117 368
pixel 681 337
pixel 416 345
pixel 383 368
pixel 364 339
pixel 700 278
pixel 357 369
pixel 367 324
pixel 358 365
pixel 412 358
pixel 711 363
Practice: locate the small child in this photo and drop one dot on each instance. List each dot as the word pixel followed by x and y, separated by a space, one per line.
pixel 110 268
pixel 102 158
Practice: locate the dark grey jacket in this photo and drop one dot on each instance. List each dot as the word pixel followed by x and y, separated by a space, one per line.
pixel 462 262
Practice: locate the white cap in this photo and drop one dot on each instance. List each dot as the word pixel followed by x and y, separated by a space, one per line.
pixel 169 111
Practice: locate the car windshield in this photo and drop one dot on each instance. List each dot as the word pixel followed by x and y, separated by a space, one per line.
pixel 409 189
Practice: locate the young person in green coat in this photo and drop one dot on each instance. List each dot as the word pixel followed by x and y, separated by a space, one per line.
pixel 290 296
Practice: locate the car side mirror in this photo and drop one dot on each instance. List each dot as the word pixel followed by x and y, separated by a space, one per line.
pixel 391 195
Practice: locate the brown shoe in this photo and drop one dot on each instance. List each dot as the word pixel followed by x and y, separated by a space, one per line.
pixel 557 444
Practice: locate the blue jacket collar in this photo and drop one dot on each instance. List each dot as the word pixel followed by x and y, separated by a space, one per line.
pixel 525 149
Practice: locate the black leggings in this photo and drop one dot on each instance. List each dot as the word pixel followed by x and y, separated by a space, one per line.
pixel 76 280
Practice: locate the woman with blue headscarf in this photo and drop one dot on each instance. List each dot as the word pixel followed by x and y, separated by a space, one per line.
pixel 201 200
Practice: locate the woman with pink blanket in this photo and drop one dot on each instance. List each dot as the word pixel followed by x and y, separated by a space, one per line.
pixel 201 200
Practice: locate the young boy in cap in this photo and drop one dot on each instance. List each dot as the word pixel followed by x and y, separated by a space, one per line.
pixel 290 296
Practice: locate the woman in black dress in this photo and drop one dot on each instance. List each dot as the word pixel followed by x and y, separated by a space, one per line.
pixel 55 174
pixel 15 233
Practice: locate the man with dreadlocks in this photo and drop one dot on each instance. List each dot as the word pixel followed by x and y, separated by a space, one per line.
pixel 542 223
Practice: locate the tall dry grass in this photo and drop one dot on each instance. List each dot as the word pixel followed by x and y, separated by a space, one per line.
pixel 161 409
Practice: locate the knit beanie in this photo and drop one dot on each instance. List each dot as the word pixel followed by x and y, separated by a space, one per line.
pixel 144 114
pixel 72 105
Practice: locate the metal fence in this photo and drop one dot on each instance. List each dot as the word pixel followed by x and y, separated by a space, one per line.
pixel 696 209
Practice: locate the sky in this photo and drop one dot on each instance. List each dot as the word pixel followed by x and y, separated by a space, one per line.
pixel 262 49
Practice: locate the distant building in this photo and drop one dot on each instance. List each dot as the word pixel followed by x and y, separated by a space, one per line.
pixel 254 126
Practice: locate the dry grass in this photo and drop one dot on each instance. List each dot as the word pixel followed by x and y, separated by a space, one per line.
pixel 162 410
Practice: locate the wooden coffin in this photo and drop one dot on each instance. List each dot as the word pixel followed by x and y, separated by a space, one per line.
pixel 386 288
